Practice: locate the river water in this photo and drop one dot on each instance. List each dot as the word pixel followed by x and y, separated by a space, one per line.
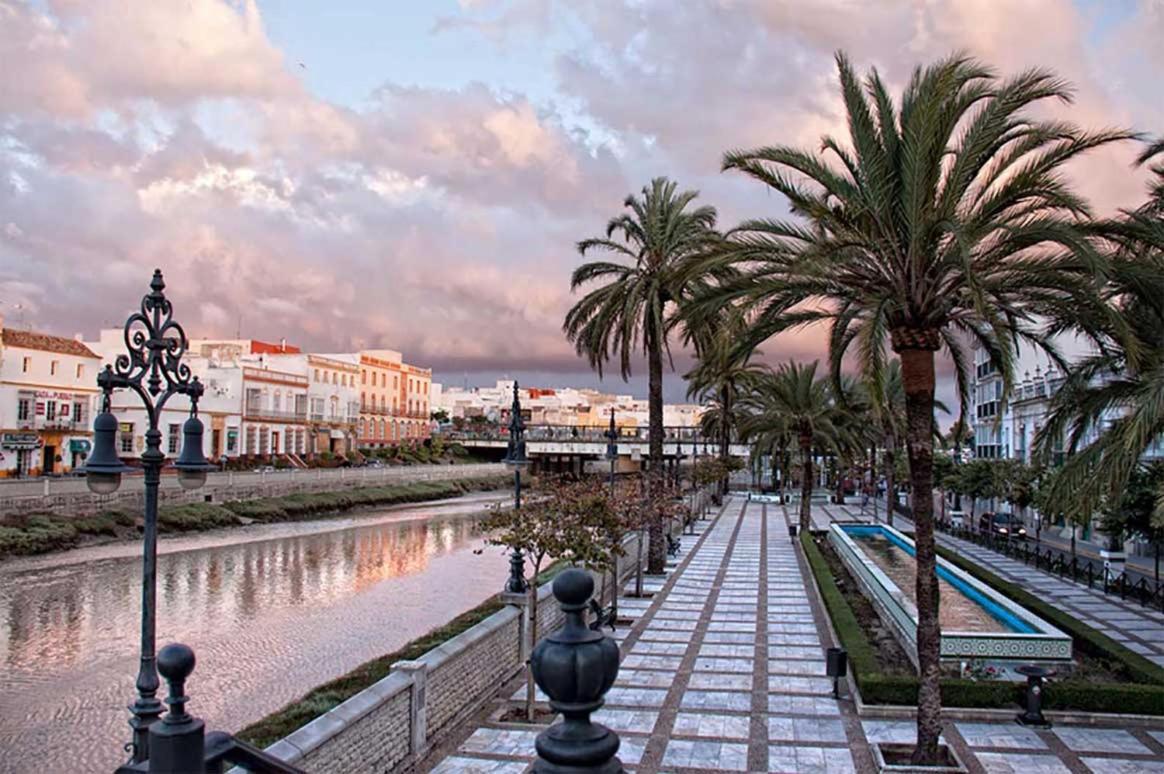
pixel 270 610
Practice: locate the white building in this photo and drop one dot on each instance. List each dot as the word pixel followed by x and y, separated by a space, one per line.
pixel 333 397
pixel 48 389
pixel 219 407
pixel 1009 433
pixel 557 406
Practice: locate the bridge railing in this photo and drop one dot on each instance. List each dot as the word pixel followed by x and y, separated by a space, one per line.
pixel 593 433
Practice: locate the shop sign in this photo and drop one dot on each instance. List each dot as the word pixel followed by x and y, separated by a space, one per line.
pixel 125 427
pixel 81 446
pixel 20 440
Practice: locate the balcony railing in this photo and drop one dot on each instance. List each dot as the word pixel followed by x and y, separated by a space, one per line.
pixel 677 434
pixel 56 423
pixel 258 412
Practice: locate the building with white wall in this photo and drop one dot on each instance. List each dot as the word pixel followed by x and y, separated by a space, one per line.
pixel 48 391
pixel 558 406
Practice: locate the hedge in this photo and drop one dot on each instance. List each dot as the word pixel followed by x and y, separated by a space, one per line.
pixel 879 688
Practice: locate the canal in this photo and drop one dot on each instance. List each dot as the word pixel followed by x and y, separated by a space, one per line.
pixel 270 610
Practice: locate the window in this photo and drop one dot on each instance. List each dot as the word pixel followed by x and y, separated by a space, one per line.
pixel 363 376
pixel 80 370
pixel 316 375
pixel 78 418
pixel 126 429
pixel 50 410
pixel 278 404
pixel 53 367
pixel 23 409
pixel 232 440
pixel 172 439
pixel 26 365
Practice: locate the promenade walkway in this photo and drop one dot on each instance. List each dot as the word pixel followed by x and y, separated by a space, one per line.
pixel 723 670
pixel 1139 628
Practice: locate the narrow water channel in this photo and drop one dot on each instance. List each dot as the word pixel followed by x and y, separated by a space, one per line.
pixel 270 610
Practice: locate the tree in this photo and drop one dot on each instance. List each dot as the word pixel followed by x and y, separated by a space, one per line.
pixel 1137 511
pixel 945 220
pixel 721 373
pixel 793 401
pixel 633 307
pixel 561 520
pixel 1110 408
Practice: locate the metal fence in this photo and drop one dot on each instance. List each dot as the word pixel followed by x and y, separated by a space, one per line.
pixel 1134 586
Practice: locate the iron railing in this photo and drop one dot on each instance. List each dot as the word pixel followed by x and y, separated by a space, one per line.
pixel 680 434
pixel 1082 570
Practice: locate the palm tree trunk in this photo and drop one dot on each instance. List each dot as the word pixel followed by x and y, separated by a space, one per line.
pixel 806 483
pixel 890 478
pixel 917 371
pixel 656 551
pixel 725 432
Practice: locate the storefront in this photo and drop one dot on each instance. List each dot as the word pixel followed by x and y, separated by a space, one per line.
pixel 22 447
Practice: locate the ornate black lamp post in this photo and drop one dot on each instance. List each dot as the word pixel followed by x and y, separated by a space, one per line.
pixel 612 447
pixel 152 369
pixel 516 460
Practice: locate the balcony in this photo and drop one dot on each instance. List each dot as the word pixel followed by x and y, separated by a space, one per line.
pixel 56 423
pixel 273 415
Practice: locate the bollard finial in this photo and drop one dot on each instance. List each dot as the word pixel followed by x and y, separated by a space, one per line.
pixel 575 666
pixel 176 664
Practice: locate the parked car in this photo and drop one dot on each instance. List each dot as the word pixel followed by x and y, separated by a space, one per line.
pixel 1005 525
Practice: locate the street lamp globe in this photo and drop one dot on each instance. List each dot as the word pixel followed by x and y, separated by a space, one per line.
pixel 192 464
pixel 103 469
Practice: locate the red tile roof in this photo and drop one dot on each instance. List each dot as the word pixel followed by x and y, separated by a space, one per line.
pixel 45 343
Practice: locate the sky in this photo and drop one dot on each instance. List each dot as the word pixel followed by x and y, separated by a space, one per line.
pixel 379 173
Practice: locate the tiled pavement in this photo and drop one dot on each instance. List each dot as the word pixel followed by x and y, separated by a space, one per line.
pixel 723 669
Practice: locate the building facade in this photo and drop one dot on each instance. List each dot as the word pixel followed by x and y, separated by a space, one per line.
pixel 395 400
pixel 48 390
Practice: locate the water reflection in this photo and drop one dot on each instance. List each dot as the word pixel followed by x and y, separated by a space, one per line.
pixel 292 607
pixel 52 618
pixel 956 613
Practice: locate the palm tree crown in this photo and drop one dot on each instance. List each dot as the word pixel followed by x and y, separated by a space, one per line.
pixel 633 306
pixel 794 403
pixel 946 220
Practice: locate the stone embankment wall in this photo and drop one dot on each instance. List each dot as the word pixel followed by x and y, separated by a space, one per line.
pixel 231 487
pixel 392 724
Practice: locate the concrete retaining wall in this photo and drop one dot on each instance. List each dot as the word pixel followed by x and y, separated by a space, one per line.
pixel 231 487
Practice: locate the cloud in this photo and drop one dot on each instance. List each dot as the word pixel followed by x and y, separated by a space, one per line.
pixel 440 220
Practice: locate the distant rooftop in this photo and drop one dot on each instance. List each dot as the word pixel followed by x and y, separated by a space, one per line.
pixel 45 343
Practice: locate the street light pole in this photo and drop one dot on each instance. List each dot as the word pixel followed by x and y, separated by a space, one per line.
pixel 153 370
pixel 515 460
pixel 612 448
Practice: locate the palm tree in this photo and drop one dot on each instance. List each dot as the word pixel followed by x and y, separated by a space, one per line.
pixel 793 402
pixel 721 373
pixel 946 220
pixel 1110 408
pixel 633 307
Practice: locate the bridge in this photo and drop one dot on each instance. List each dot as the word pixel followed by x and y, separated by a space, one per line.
pixel 566 446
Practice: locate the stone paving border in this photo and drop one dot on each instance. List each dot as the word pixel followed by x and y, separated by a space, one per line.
pixel 723 671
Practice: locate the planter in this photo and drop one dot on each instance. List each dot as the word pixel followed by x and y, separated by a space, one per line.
pixel 895 758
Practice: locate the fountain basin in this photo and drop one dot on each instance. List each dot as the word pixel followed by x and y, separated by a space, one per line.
pixel 978 623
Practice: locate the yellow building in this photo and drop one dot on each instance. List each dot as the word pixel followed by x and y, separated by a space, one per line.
pixel 394 399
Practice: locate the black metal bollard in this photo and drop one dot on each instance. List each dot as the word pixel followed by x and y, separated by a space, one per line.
pixel 177 739
pixel 1033 716
pixel 575 667
pixel 836 667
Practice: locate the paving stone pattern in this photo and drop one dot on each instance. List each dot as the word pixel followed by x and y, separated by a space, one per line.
pixel 723 670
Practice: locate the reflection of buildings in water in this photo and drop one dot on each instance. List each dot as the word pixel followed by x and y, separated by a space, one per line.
pixel 59 615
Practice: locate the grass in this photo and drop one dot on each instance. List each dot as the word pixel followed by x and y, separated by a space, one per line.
pixel 877 687
pixel 39 533
pixel 330 695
